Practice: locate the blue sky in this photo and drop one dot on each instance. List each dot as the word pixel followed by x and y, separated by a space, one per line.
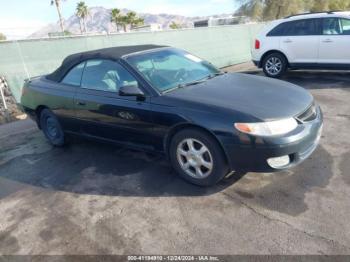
pixel 18 16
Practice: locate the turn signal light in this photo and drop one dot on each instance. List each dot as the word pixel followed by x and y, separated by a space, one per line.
pixel 243 128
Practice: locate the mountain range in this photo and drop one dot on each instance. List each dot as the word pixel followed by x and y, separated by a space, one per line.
pixel 98 21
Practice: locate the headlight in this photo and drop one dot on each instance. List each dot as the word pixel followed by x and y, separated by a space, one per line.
pixel 272 128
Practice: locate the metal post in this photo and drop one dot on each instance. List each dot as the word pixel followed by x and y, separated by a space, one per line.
pixel 2 85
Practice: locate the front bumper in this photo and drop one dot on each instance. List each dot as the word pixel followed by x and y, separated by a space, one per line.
pixel 253 152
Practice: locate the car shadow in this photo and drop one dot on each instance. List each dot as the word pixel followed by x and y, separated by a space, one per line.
pixel 313 79
pixel 85 167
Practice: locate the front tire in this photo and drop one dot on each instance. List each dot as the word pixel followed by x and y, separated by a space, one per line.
pixel 197 157
pixel 275 65
pixel 51 128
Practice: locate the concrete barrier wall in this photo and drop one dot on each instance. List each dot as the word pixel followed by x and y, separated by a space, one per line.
pixel 223 46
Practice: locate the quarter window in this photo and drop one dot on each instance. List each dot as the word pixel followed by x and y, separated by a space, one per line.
pixel 105 75
pixel 74 75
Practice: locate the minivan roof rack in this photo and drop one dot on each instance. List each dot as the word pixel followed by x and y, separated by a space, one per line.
pixel 312 13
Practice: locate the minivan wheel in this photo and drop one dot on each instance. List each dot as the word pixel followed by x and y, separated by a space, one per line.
pixel 197 157
pixel 274 65
pixel 51 128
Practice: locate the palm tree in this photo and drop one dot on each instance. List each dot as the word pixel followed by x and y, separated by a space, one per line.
pixel 117 17
pixel 57 3
pixel 124 22
pixel 82 12
pixel 133 20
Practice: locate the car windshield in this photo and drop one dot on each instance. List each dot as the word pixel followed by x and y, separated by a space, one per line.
pixel 169 69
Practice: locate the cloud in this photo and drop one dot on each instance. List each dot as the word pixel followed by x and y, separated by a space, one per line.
pixel 22 18
pixel 169 9
pixel 221 1
pixel 180 7
pixel 17 28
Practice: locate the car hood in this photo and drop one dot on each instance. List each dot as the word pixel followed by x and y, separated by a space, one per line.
pixel 259 97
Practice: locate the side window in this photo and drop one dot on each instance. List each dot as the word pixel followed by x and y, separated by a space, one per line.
pixel 105 75
pixel 330 26
pixel 345 26
pixel 301 27
pixel 278 30
pixel 74 75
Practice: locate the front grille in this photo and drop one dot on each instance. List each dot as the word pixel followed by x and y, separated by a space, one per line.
pixel 308 115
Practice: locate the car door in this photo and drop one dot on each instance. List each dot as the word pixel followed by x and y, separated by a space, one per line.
pixel 63 103
pixel 335 41
pixel 300 41
pixel 103 113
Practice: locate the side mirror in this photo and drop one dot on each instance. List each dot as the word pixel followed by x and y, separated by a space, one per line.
pixel 131 90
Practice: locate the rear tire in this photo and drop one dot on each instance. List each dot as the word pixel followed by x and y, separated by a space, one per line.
pixel 275 65
pixel 197 157
pixel 52 128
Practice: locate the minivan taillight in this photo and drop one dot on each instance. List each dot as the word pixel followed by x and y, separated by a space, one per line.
pixel 257 44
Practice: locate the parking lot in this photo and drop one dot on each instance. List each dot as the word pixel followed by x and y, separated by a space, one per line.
pixel 92 198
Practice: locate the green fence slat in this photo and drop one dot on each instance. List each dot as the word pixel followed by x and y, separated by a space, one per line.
pixel 222 45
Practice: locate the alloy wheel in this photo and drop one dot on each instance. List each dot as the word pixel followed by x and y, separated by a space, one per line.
pixel 273 66
pixel 194 158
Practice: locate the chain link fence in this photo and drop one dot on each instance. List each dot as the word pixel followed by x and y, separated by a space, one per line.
pixel 8 106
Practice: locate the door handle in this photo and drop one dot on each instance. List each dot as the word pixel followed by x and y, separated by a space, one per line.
pixel 81 103
pixel 287 41
pixel 327 41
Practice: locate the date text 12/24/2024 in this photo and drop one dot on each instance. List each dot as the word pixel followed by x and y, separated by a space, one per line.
pixel 173 258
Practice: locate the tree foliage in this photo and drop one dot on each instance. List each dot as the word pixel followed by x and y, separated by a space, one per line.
pixel 264 10
pixel 2 37
pixel 133 20
pixel 174 25
pixel 67 33
pixel 130 19
pixel 117 17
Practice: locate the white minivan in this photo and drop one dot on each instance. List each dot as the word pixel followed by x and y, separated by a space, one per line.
pixel 305 41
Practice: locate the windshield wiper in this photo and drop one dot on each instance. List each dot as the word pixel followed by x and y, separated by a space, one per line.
pixel 216 74
pixel 186 84
pixel 194 82
pixel 202 80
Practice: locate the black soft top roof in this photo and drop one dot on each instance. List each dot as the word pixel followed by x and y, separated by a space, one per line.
pixel 112 53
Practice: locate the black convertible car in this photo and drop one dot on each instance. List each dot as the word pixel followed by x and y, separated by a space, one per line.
pixel 165 99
